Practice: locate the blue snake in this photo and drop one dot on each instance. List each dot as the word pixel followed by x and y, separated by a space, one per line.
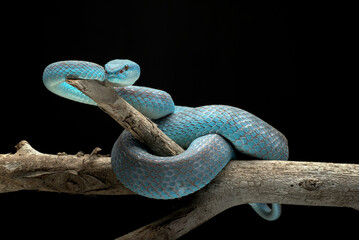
pixel 208 133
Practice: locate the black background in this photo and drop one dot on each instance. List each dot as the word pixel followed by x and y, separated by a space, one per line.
pixel 286 63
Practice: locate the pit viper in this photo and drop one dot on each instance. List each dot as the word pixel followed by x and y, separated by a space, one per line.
pixel 208 133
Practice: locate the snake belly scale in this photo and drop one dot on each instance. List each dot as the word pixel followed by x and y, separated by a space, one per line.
pixel 208 133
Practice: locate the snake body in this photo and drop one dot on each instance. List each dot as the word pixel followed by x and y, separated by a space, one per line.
pixel 208 133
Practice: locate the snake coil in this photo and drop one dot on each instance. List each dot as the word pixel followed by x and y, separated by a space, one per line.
pixel 208 133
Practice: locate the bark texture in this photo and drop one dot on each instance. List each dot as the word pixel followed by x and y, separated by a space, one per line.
pixel 128 117
pixel 287 182
pixel 240 182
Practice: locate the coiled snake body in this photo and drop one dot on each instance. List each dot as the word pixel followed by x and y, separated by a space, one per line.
pixel 208 134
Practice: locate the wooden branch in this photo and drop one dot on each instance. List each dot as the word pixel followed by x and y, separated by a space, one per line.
pixel 240 182
pixel 29 169
pixel 286 182
pixel 127 116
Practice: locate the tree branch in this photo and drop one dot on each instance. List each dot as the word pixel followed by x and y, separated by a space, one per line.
pixel 127 116
pixel 29 169
pixel 287 182
pixel 240 182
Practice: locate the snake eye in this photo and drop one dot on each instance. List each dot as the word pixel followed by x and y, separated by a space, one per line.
pixel 126 67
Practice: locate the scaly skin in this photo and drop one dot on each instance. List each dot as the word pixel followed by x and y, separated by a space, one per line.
pixel 208 133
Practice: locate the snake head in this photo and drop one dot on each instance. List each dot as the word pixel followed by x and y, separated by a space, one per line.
pixel 122 72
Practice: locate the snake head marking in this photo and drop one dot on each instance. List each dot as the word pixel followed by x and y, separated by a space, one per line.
pixel 122 71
